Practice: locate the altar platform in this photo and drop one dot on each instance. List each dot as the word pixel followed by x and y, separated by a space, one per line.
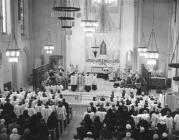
pixel 104 88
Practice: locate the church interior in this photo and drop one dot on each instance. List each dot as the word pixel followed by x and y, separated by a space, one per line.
pixel 89 70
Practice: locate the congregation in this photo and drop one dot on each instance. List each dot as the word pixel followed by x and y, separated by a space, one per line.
pixel 33 115
pixel 127 116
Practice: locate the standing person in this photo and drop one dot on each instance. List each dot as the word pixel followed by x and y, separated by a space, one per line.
pixel 14 135
pixel 118 73
pixel 80 82
pixel 94 82
pixel 60 87
pixel 73 79
pixel 88 82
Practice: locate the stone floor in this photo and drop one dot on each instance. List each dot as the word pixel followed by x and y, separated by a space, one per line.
pixel 70 131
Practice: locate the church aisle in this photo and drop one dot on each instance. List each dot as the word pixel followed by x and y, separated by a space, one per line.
pixel 70 131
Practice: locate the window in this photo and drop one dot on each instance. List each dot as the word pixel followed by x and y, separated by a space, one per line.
pixel 21 15
pixel 4 16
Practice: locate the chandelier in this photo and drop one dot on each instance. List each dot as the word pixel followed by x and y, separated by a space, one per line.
pixel 13 54
pixel 152 52
pixel 65 11
pixel 88 21
pixel 142 49
pixel 151 61
pixel 104 1
pixel 48 47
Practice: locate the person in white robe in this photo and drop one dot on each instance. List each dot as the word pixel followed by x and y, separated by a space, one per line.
pixel 61 112
pixel 19 109
pixel 73 83
pixel 101 115
pixel 53 88
pixel 46 112
pixel 94 82
pixel 176 122
pixel 169 122
pixel 31 111
pixel 59 87
pixel 90 113
pixel 88 82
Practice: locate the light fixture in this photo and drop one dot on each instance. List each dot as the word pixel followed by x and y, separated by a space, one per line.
pixel 142 49
pixel 89 34
pixel 48 47
pixel 104 1
pixel 88 21
pixel 13 54
pixel 151 61
pixel 65 11
pixel 152 52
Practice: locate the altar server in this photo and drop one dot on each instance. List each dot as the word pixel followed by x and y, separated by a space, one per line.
pixel 94 82
pixel 88 82
pixel 46 112
pixel 59 87
pixel 73 79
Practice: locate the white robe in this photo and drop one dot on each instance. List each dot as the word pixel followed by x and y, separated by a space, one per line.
pixel 73 80
pixel 88 80
pixel 46 112
pixel 101 115
pixel 91 114
pixel 176 121
pixel 61 113
pixel 169 123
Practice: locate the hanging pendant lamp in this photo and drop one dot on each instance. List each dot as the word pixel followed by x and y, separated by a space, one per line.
pixel 13 54
pixel 142 49
pixel 152 54
pixel 49 47
pixel 65 11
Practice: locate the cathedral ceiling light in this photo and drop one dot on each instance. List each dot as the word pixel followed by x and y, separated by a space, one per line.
pixel 152 52
pixel 65 11
pixel 49 47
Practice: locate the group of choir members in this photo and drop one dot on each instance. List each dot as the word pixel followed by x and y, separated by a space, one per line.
pixel 43 103
pixel 81 82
